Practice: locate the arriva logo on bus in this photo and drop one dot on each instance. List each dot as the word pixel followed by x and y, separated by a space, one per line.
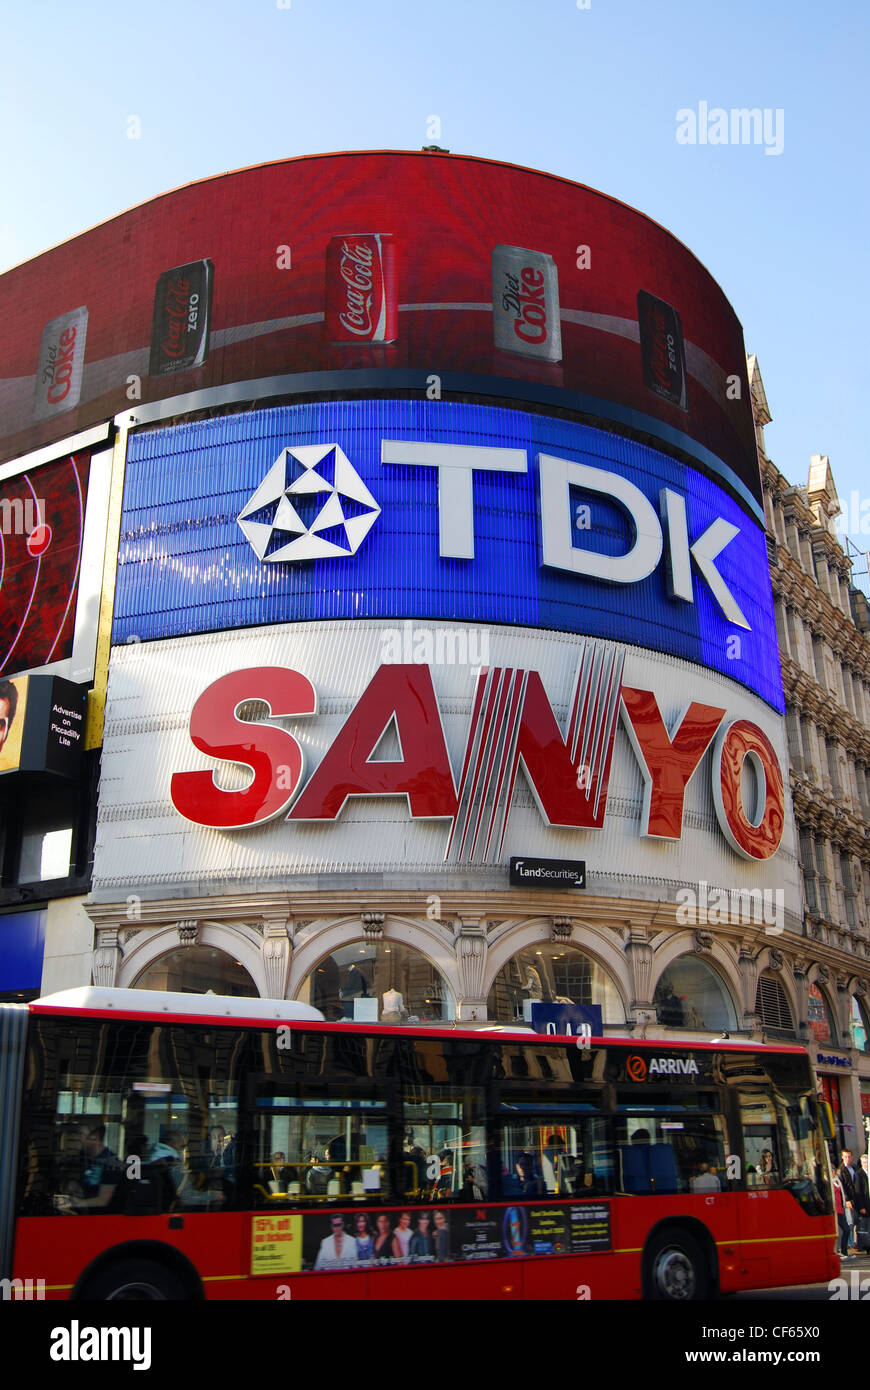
pixel 512 725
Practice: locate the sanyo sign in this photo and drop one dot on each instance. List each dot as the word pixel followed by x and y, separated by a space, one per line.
pixel 456 465
pixel 512 729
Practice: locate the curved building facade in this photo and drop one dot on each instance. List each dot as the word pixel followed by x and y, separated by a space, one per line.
pixel 437 671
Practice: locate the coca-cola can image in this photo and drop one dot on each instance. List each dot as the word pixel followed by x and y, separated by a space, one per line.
pixel 662 350
pixel 61 361
pixel 525 303
pixel 182 316
pixel 361 302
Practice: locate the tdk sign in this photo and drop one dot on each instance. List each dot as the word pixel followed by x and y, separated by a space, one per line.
pixel 444 512
pixel 456 464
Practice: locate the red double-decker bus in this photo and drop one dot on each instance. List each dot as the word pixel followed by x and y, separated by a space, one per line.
pixel 165 1146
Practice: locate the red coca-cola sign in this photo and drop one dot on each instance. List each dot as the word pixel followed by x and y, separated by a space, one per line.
pixel 361 289
pixel 182 312
pixel 662 349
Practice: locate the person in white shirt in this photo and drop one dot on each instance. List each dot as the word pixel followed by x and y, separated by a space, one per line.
pixel 705 1180
pixel 339 1249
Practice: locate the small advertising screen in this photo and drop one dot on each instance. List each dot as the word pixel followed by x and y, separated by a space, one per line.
pixel 42 517
pixel 41 725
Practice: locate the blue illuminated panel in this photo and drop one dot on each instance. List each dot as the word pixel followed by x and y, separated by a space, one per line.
pixel 185 565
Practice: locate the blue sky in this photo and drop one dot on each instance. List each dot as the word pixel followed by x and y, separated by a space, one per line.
pixel 589 94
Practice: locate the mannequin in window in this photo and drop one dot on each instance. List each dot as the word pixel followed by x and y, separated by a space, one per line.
pixel 532 986
pixel 393 1009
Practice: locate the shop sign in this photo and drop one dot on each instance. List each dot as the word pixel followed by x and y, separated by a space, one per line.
pixel 512 725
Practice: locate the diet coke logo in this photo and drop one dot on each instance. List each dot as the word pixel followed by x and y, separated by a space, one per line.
pixel 58 380
pixel 58 370
pixel 525 297
pixel 356 270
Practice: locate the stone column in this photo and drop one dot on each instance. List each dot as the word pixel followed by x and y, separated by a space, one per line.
pixel 276 951
pixel 747 964
pixel 107 958
pixel 639 954
pixel 471 949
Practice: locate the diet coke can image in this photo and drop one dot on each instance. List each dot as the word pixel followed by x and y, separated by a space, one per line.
pixel 661 347
pixel 525 303
pixel 61 360
pixel 182 314
pixel 361 288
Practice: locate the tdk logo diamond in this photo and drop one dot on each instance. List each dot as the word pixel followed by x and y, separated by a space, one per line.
pixel 312 503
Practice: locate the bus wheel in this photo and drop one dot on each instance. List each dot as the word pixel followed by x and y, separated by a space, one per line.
pixel 134 1281
pixel 676 1268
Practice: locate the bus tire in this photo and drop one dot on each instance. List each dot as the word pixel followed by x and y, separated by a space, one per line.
pixel 675 1268
pixel 134 1281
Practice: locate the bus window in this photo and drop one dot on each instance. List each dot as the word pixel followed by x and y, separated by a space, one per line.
pixel 681 1152
pixel 444 1153
pixel 783 1144
pixel 313 1146
pixel 560 1152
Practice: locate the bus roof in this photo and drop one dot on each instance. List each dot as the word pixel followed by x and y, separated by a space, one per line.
pixel 227 1009
pixel 92 998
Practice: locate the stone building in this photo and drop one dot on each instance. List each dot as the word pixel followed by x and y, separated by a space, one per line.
pixel 823 980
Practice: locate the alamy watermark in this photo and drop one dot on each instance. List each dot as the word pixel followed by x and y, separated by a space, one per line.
pixel 22 1290
pixel 740 125
pixel 854 516
pixel 719 906
pixel 21 515
pixel 412 645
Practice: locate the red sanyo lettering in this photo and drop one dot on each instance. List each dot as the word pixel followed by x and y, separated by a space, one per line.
pixel 403 695
pixel 273 755
pixel 63 367
pixel 668 762
pixel 756 836
pixel 561 796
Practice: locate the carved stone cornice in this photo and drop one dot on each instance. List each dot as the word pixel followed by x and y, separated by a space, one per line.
pixel 373 925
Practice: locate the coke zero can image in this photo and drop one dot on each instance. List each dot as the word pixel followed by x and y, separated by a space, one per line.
pixel 61 360
pixel 525 303
pixel 361 302
pixel 182 313
pixel 661 347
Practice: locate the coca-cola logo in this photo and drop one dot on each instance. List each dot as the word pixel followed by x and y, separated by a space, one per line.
pixel 182 314
pixel 525 297
pixel 357 272
pixel 663 358
pixel 58 370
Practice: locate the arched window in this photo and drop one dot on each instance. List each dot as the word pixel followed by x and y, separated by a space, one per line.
pixel 819 1017
pixel 551 972
pixel 378 982
pixel 858 1025
pixel 690 994
pixel 198 970
pixel 771 1005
